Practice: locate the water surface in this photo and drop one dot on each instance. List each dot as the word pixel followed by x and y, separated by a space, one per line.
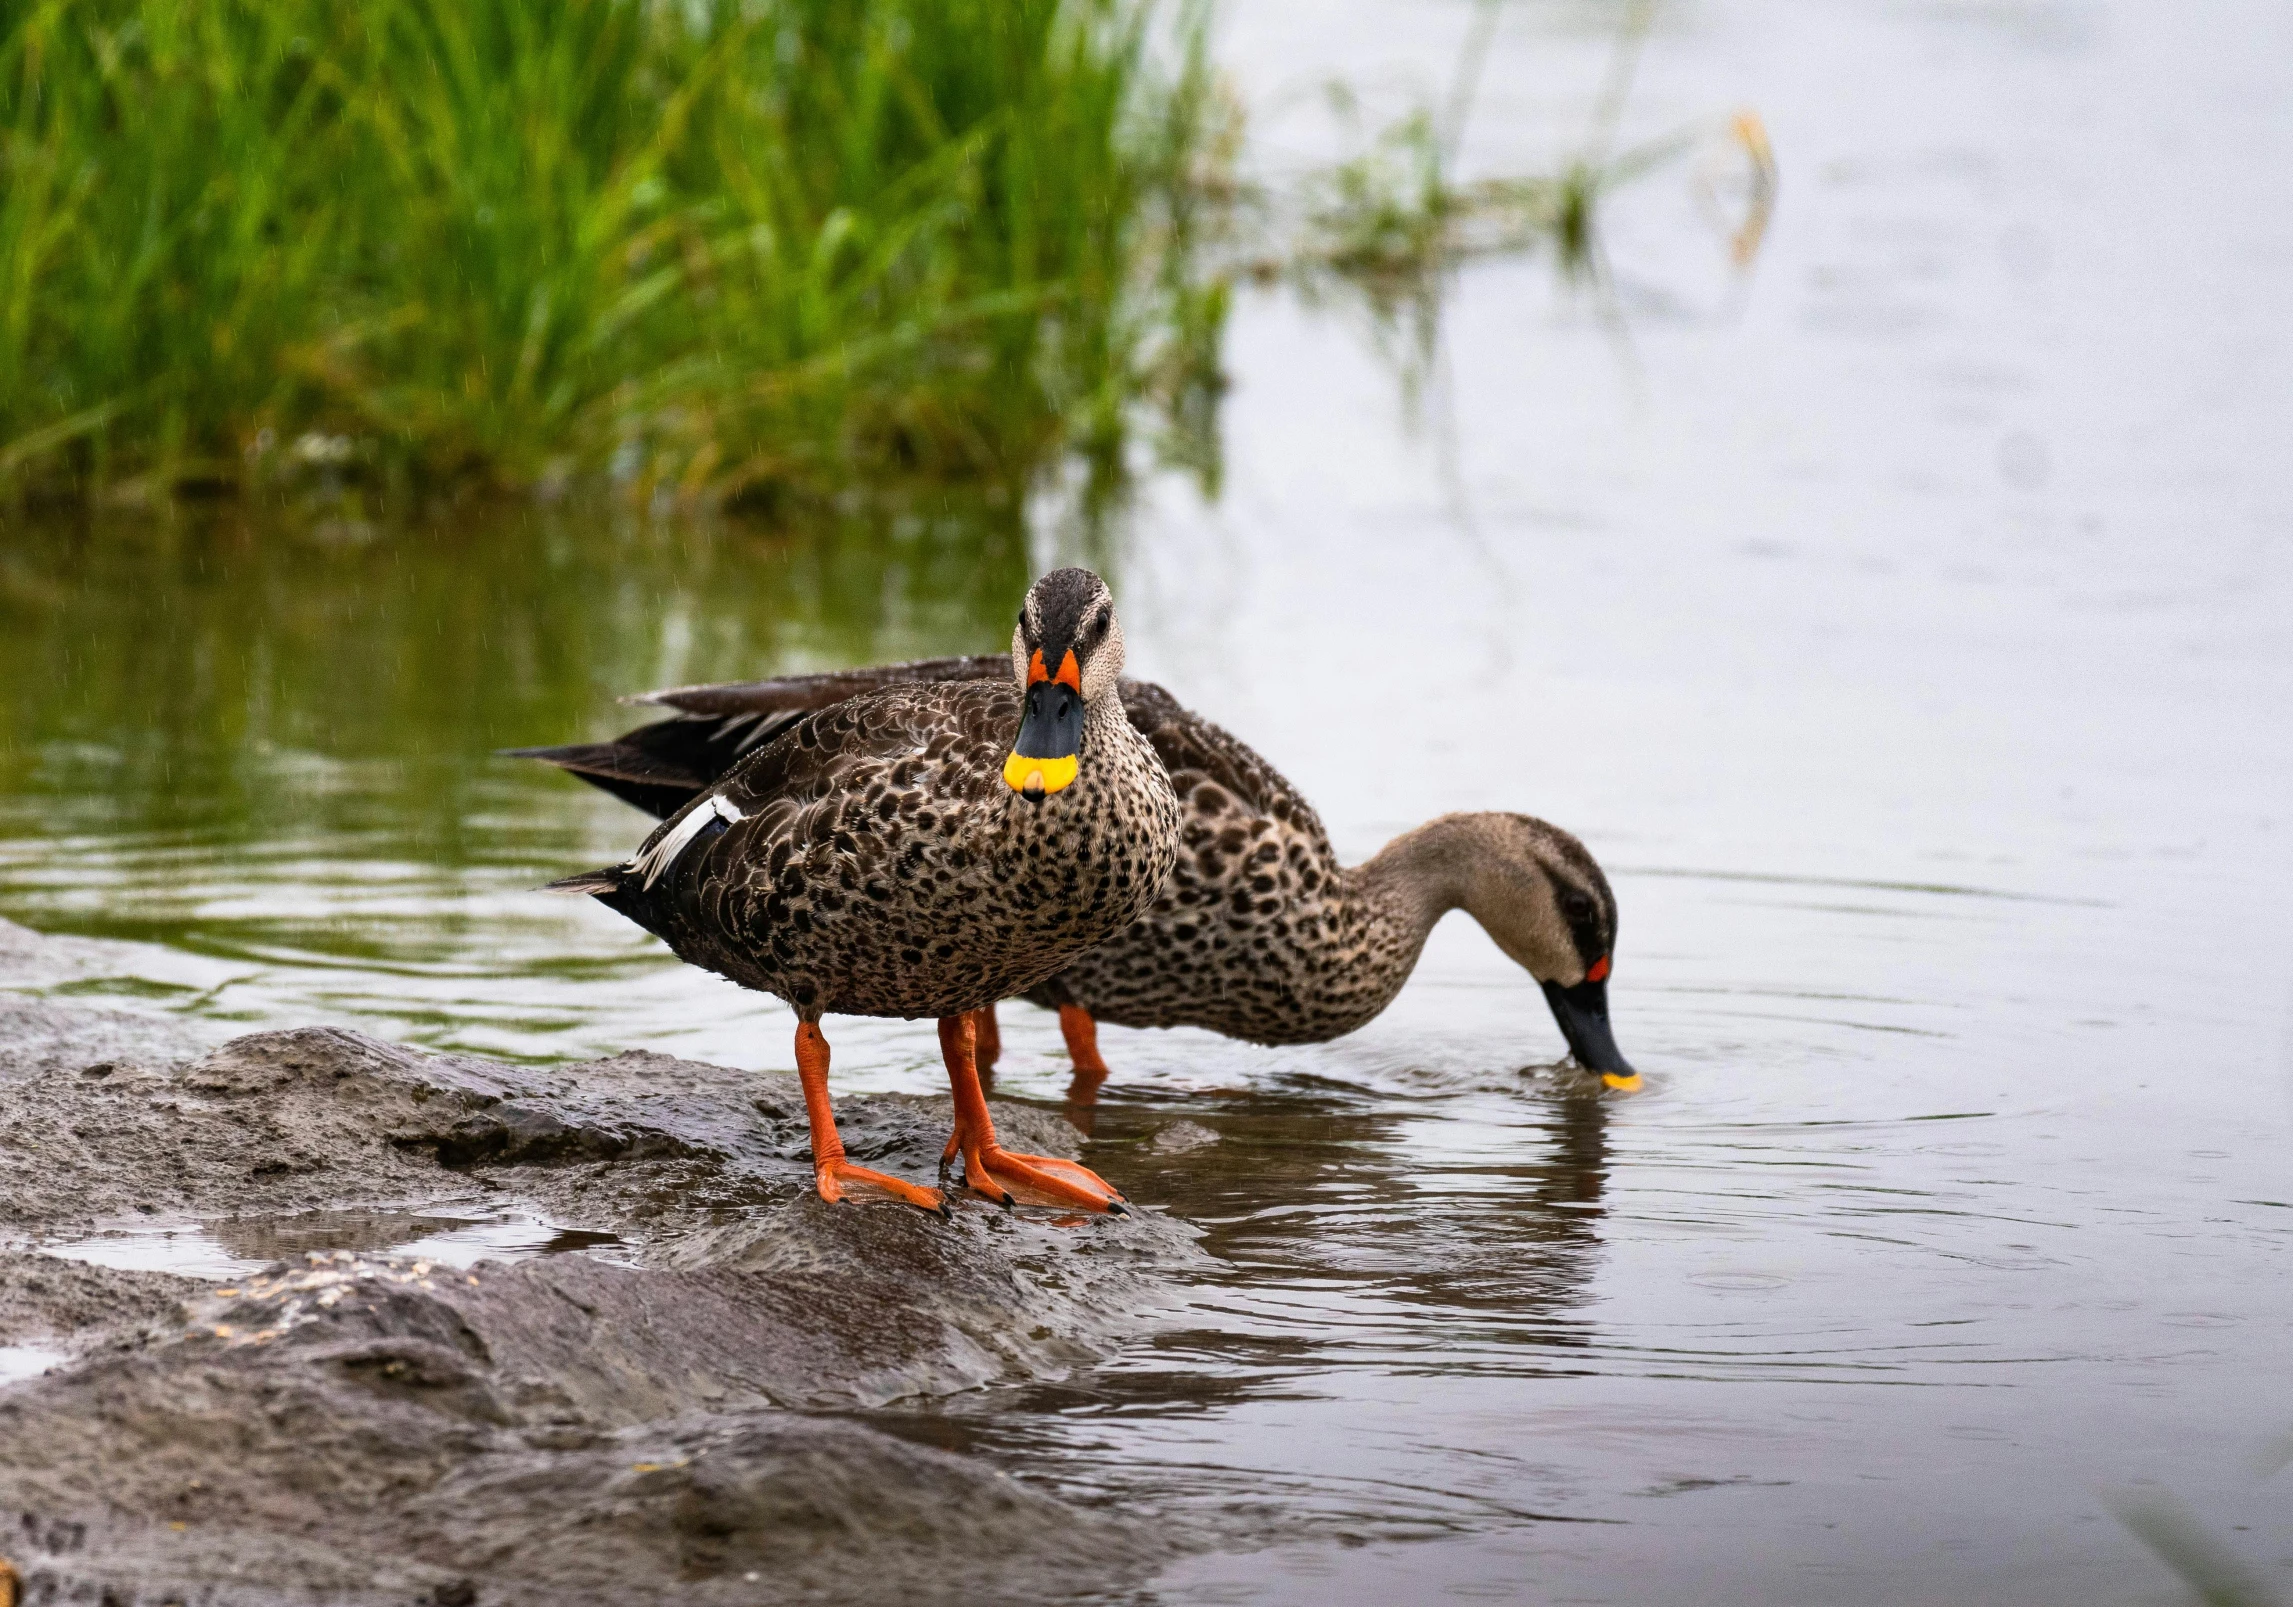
pixel 1902 624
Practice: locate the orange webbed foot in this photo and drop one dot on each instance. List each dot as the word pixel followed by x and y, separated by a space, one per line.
pixel 839 1179
pixel 989 1168
pixel 1008 1177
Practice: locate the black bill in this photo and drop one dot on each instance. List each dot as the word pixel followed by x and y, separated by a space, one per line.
pixel 1045 758
pixel 1582 1012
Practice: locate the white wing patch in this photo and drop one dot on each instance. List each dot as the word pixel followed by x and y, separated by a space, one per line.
pixel 658 858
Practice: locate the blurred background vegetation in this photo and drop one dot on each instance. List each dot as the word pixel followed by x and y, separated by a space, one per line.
pixel 746 254
pixel 722 250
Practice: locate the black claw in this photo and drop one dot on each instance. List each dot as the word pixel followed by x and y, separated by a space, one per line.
pixel 1117 1208
pixel 1011 1202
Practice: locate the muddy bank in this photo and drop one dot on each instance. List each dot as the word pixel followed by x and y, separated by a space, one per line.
pixel 357 1426
pixel 366 1430
pixel 681 1167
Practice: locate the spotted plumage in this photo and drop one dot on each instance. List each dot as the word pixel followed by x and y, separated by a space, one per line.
pixel 1261 934
pixel 870 860
pixel 1258 933
pixel 878 864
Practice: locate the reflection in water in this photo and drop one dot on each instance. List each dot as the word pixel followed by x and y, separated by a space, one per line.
pixel 453 1240
pixel 224 677
pixel 1345 1252
pixel 263 1239
pixel 1379 1213
pixel 266 745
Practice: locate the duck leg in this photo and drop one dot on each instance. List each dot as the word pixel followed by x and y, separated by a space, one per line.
pixel 1082 1035
pixel 833 1174
pixel 989 1039
pixel 988 1168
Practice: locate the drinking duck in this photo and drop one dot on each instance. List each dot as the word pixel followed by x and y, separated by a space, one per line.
pixel 1259 933
pixel 921 847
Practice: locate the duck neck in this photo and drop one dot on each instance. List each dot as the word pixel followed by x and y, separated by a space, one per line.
pixel 1420 876
pixel 1107 739
pixel 1411 883
pixel 1105 718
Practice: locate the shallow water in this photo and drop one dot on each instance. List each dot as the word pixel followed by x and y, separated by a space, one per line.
pixel 19 1362
pixel 236 1247
pixel 1904 627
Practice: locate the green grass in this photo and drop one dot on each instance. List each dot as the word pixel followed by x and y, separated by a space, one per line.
pixel 724 249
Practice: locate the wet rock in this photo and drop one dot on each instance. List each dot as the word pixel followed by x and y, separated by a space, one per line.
pixel 644 1145
pixel 393 1462
pixel 1177 1138
pixel 50 1035
pixel 360 1427
pixel 43 1298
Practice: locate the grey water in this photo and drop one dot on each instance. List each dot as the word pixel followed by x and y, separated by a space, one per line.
pixel 1902 620
pixel 240 1246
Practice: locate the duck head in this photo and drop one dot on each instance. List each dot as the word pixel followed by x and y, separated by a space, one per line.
pixel 1543 899
pixel 1068 654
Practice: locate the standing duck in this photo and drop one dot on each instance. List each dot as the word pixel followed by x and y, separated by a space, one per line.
pixel 922 848
pixel 1259 933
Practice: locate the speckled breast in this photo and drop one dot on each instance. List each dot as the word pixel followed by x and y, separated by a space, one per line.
pixel 927 887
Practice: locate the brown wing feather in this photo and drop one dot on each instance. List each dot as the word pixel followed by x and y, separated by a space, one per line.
pixel 798 694
pixel 817 758
pixel 1198 753
pixel 872 860
pixel 664 766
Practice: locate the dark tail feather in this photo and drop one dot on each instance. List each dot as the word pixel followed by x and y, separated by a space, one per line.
pixel 592 882
pixel 630 772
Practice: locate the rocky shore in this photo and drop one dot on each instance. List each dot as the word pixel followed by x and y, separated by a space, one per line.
pixel 667 1416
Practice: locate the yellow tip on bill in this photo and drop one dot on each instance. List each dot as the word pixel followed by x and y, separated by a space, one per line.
pixel 1623 1085
pixel 1039 775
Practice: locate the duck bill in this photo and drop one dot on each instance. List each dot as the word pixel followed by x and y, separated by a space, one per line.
pixel 1582 1012
pixel 1048 753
